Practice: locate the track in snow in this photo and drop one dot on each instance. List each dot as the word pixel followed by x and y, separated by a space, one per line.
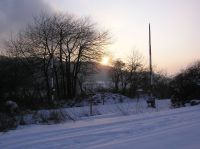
pixel 177 128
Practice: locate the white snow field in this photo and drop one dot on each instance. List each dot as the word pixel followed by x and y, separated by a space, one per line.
pixel 165 129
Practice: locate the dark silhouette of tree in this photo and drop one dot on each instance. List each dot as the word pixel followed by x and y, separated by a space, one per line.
pixel 186 85
pixel 62 43
pixel 117 73
pixel 135 67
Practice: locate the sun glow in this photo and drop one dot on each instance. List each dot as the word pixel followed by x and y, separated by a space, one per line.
pixel 105 60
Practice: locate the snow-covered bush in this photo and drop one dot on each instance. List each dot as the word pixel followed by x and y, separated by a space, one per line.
pixel 53 116
pixel 7 122
pixel 43 118
pixel 12 107
pixel 194 102
pixel 56 116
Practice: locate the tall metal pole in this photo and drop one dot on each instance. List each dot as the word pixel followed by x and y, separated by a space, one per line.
pixel 52 78
pixel 150 62
pixel 151 100
pixel 52 74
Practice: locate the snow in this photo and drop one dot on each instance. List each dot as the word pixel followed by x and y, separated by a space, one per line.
pixel 169 128
pixel 112 107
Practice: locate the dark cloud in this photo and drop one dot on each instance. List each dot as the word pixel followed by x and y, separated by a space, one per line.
pixel 15 14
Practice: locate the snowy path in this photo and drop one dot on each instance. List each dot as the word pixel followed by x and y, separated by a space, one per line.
pixel 177 128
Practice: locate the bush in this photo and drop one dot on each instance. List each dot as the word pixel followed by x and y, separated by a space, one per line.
pixel 43 118
pixel 56 116
pixel 123 110
pixel 186 85
pixel 194 102
pixel 53 116
pixel 7 122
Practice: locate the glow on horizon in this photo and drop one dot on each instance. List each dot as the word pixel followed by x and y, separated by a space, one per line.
pixel 105 60
pixel 174 24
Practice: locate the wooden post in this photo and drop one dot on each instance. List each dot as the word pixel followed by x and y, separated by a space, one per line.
pixel 91 102
pixel 91 107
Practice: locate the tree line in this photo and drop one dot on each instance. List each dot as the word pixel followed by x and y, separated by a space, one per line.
pixel 49 60
pixel 131 76
pixel 56 52
pixel 185 85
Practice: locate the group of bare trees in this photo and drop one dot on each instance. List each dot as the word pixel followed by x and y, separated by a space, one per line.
pixel 54 54
pixel 133 75
pixel 127 75
pixel 63 46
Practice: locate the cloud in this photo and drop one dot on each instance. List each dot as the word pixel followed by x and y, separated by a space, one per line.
pixel 15 14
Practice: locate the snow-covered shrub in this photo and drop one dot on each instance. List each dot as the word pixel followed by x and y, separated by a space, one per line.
pixel 124 110
pixel 194 102
pixel 53 116
pixel 12 107
pixel 22 120
pixel 7 122
pixel 43 118
pixel 95 111
pixel 56 116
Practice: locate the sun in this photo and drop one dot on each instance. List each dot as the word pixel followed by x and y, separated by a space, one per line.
pixel 105 60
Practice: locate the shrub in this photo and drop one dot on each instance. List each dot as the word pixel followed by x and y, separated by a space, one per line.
pixel 7 122
pixel 56 116
pixel 43 118
pixel 53 116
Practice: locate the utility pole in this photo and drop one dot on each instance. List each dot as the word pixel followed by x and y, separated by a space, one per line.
pixel 52 78
pixel 151 100
pixel 150 62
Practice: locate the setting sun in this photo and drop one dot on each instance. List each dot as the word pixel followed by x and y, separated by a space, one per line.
pixel 105 60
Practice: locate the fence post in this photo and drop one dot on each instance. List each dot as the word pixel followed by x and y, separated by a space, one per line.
pixel 91 102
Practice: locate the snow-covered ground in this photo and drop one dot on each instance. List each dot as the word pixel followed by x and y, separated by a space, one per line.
pixel 114 105
pixel 158 129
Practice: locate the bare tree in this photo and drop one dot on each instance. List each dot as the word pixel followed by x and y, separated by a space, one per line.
pixel 85 44
pixel 62 43
pixel 117 73
pixel 134 67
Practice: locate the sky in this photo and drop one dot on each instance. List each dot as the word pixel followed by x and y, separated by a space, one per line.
pixel 175 25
